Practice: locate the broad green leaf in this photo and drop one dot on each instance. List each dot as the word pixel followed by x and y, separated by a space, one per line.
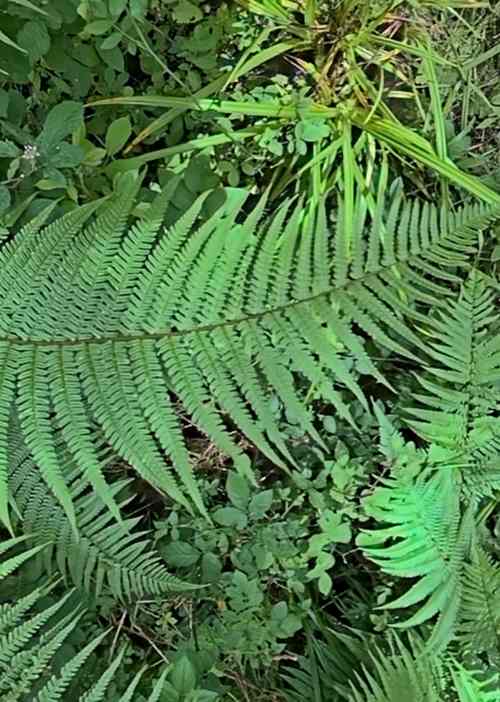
pixel 183 676
pixel 186 12
pixel 238 490
pixel 111 41
pixel 117 135
pixel 66 156
pixel 312 130
pixel 260 504
pixel 34 39
pixel 62 120
pixel 9 150
pixel 180 554
pixel 99 27
pixel 116 7
pixel 230 516
pixel 211 567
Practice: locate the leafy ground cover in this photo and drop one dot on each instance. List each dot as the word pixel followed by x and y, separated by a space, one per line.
pixel 364 567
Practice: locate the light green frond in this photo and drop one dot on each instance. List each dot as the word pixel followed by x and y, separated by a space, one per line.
pixel 98 690
pixel 33 632
pixel 55 688
pixel 426 538
pixel 398 673
pixel 157 690
pixel 472 688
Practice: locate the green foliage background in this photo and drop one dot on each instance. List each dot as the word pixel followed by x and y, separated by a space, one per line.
pixel 249 351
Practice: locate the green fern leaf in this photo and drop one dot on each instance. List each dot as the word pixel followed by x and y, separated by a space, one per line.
pixel 428 540
pixel 106 553
pixel 106 329
pixel 33 632
pixel 458 406
pixel 479 628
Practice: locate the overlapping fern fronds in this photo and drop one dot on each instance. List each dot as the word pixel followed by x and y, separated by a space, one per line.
pixel 113 326
pixel 106 554
pixel 390 669
pixel 33 630
pixel 479 628
pixel 458 408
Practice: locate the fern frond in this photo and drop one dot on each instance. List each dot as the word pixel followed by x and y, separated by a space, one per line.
pixel 107 553
pixel 325 671
pixel 106 326
pixel 399 673
pixel 459 404
pixel 427 540
pixel 390 670
pixel 33 632
pixel 471 688
pixel 479 627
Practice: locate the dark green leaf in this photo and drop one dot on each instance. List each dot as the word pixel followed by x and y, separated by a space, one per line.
pixel 261 503
pixel 4 198
pixel 66 156
pixel 180 554
pixel 35 39
pixel 116 7
pixel 61 121
pixel 230 516
pixel 211 567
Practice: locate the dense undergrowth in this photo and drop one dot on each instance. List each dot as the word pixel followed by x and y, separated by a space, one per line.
pixel 249 351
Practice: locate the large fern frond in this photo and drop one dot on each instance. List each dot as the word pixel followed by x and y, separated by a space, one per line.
pixel 29 639
pixel 409 671
pixel 398 672
pixel 325 671
pixel 458 408
pixel 108 325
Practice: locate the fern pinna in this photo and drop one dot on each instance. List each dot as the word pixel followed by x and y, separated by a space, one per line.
pixel 106 328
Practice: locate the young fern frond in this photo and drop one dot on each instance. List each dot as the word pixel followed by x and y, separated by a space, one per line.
pixel 428 539
pixel 458 408
pixel 107 554
pixel 105 326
